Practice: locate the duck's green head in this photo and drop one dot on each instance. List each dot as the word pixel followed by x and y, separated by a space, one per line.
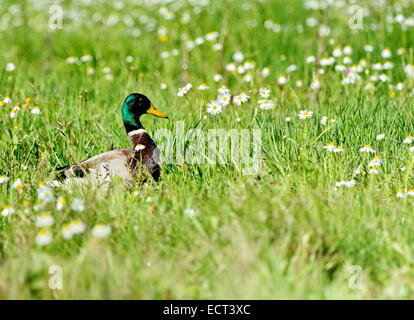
pixel 135 105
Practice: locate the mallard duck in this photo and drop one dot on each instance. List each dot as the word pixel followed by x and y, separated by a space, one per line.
pixel 124 163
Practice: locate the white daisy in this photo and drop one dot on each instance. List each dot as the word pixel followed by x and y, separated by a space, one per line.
pixel 36 110
pixel 408 139
pixel 61 202
pixel 367 148
pixel 4 179
pixel 238 100
pixel 43 237
pixel 44 220
pixel 265 104
pixel 101 231
pixel 214 107
pixel 224 99
pixel 264 93
pixel 7 210
pixel 203 87
pixel 304 114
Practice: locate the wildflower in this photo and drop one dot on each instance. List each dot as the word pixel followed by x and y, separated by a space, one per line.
pixel 10 67
pixel 238 100
pixel 369 87
pixel 181 92
pixel 7 210
pixel 265 104
pixel 61 202
pixel 383 77
pixel 224 99
pixel 71 60
pixel 299 83
pixel 18 185
pixel 380 137
pixel 13 114
pixel 129 59
pixel 409 70
pixel 66 231
pixel 203 87
pixel 223 90
pixel 164 55
pixel 265 72
pixel 330 146
pixel 248 78
pixel 386 53
pixel 400 194
pixel 347 50
pixel 324 120
pixel 217 77
pixel 315 84
pixel 43 237
pixel 101 231
pixel 408 139
pixel 214 107
pixel 86 58
pixel 347 60
pixel 291 68
pixel 367 148
pixel 282 80
pixel 339 149
pixel 373 170
pixel 238 56
pixel 77 226
pixel 288 119
pixel 109 77
pixel 44 193
pixel 327 61
pixel 368 48
pixel 36 110
pixel 337 52
pixel 264 93
pixel 139 147
pixel 230 67
pixel 78 204
pixel 8 100
pixel 375 162
pixel 399 86
pixel 190 213
pixel 304 114
pixel 347 184
pixel 90 71
pixel 4 179
pixel 388 65
pixel 310 59
pixel 211 36
pixel 217 47
pixel 44 220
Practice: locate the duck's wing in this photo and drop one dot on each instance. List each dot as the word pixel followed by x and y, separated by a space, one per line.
pixel 103 166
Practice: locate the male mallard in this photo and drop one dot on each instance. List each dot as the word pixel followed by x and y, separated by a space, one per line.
pixel 125 163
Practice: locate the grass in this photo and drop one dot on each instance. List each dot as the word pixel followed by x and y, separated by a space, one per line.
pixel 283 233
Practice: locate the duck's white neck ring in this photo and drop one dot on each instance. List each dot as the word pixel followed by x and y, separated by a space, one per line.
pixel 134 132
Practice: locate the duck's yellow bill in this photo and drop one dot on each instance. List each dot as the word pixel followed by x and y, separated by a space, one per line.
pixel 155 112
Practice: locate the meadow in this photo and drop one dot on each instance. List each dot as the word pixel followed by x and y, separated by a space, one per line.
pixel 330 86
